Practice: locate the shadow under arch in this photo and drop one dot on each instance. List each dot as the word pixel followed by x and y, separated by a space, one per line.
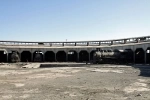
pixel 91 54
pixel 130 56
pixel 139 56
pixel 72 56
pixel 148 55
pixel 26 56
pixel 3 55
pixel 10 55
pixel 38 56
pixel 49 56
pixel 61 56
pixel 83 56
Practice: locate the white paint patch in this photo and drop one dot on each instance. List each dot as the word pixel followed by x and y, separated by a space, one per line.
pixel 49 75
pixel 66 92
pixel 72 95
pixel 21 72
pixel 31 91
pixel 25 96
pixel 137 86
pixel 57 89
pixel 7 96
pixel 142 80
pixel 10 81
pixel 19 84
pixel 130 89
pixel 106 71
pixel 64 70
pixel 73 71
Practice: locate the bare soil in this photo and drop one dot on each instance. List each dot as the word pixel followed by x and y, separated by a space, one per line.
pixel 77 82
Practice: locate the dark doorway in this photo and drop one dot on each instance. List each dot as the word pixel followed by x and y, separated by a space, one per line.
pixel 130 56
pixel 10 55
pixel 83 56
pixel 91 54
pixel 61 56
pixel 38 56
pixel 49 56
pixel 72 56
pixel 26 56
pixel 148 55
pixel 139 56
pixel 3 56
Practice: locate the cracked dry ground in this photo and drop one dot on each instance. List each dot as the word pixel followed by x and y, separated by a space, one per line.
pixel 73 83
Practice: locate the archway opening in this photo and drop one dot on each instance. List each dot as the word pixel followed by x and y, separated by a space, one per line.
pixel 116 50
pixel 148 55
pixel 3 56
pixel 129 56
pixel 83 56
pixel 13 56
pixel 61 56
pixel 49 56
pixel 26 56
pixel 38 56
pixel 72 56
pixel 91 54
pixel 139 56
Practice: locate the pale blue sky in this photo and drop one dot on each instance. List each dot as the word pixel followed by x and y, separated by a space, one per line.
pixel 58 20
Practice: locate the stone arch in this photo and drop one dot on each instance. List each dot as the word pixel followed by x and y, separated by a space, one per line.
pixel 26 56
pixel 91 54
pixel 38 56
pixel 115 50
pixel 83 56
pixel 49 56
pixel 72 56
pixel 139 56
pixel 10 54
pixel 61 56
pixel 148 55
pixel 130 56
pixel 3 55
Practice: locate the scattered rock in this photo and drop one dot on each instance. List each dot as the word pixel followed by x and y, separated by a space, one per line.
pixel 24 67
pixel 139 95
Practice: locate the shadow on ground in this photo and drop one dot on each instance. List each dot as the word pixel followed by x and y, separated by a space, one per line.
pixel 144 69
pixel 64 65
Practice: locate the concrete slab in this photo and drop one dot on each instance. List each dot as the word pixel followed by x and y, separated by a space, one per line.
pixel 32 65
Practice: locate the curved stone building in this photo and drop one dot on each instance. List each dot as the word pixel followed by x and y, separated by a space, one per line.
pixel 74 51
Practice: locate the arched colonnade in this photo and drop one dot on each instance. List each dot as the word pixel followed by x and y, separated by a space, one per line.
pixel 139 54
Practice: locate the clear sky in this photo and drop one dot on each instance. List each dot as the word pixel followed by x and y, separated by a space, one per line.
pixel 58 20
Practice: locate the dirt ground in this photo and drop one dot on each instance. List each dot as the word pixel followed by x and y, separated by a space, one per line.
pixel 75 82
